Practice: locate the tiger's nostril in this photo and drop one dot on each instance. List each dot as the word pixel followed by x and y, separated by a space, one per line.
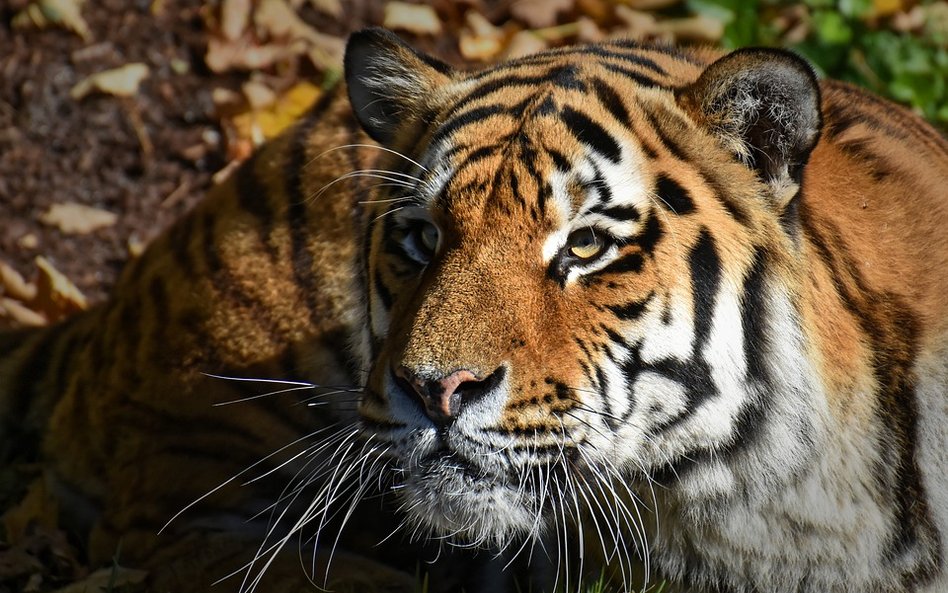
pixel 443 397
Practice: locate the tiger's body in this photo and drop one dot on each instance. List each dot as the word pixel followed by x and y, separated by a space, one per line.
pixel 693 307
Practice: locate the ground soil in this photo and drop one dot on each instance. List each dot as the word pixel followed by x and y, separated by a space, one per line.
pixel 146 158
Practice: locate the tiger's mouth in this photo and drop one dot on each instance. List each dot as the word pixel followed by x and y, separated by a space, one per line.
pixel 447 494
pixel 462 491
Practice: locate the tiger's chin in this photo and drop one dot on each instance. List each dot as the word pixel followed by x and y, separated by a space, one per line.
pixel 448 499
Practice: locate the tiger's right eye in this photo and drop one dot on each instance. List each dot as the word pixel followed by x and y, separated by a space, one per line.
pixel 585 245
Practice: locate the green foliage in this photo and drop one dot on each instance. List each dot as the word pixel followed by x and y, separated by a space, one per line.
pixel 850 40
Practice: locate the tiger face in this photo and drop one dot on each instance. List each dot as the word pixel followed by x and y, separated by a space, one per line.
pixel 564 276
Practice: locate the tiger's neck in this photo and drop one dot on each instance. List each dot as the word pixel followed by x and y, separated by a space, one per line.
pixel 827 469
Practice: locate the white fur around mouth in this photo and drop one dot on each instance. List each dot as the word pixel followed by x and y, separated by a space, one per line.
pixel 448 497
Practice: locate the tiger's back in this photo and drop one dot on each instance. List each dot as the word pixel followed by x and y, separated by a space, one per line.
pixel 144 409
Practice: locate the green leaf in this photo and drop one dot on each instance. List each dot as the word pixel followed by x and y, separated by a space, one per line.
pixel 832 28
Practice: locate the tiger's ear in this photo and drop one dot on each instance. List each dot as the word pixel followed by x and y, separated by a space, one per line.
pixel 388 81
pixel 764 105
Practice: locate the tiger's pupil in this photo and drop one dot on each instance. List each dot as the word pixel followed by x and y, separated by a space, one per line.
pixel 584 244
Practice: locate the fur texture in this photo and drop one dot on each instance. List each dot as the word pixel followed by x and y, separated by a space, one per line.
pixel 683 315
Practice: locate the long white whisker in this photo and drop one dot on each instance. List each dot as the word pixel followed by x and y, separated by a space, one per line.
pixel 375 146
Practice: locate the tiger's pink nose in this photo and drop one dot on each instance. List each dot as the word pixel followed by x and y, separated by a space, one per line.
pixel 442 398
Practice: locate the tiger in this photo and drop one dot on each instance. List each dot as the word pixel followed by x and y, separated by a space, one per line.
pixel 654 313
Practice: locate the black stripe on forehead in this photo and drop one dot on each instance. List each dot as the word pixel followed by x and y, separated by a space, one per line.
pixel 591 133
pixel 610 99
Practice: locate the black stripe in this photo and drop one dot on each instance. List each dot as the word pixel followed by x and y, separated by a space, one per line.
pixel 480 154
pixel 567 77
pixel 748 428
pixel 599 184
pixel 705 267
pixel 297 215
pixel 635 76
pixel 253 198
pixel 839 117
pixel 678 151
pixel 559 159
pixel 754 321
pixel 493 85
pixel 673 196
pixel 630 262
pixel 223 281
pixel 620 213
pixel 650 235
pixel 631 310
pixel 611 100
pixel 695 378
pixel 614 336
pixel 22 394
pixel 669 143
pixel 860 151
pixel 179 242
pixel 591 133
pixel 385 295
pixel 463 119
pixel 662 48
pixel 893 333
pixel 630 58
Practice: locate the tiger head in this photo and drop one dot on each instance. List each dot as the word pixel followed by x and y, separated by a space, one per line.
pixel 569 270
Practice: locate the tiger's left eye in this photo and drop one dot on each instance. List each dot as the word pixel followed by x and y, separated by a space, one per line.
pixel 584 244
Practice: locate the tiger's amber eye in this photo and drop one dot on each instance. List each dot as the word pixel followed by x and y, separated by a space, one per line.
pixel 584 244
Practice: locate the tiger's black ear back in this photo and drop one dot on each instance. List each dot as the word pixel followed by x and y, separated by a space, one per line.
pixel 388 81
pixel 764 105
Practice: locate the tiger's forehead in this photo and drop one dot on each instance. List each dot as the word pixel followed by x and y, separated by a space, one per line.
pixel 547 149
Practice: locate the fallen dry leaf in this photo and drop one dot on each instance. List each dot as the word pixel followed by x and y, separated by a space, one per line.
pixel 480 40
pixel 537 14
pixel 695 28
pixel 587 31
pixel 20 314
pixel 56 296
pixel 260 125
pixel 639 24
pixel 121 82
pixel 244 54
pixel 330 7
pixel 235 16
pixel 277 19
pixel 886 7
pixel 77 219
pixel 524 43
pixel 28 241
pixel 64 13
pixel 14 285
pixel 419 19
pixel 259 95
pixel 649 4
